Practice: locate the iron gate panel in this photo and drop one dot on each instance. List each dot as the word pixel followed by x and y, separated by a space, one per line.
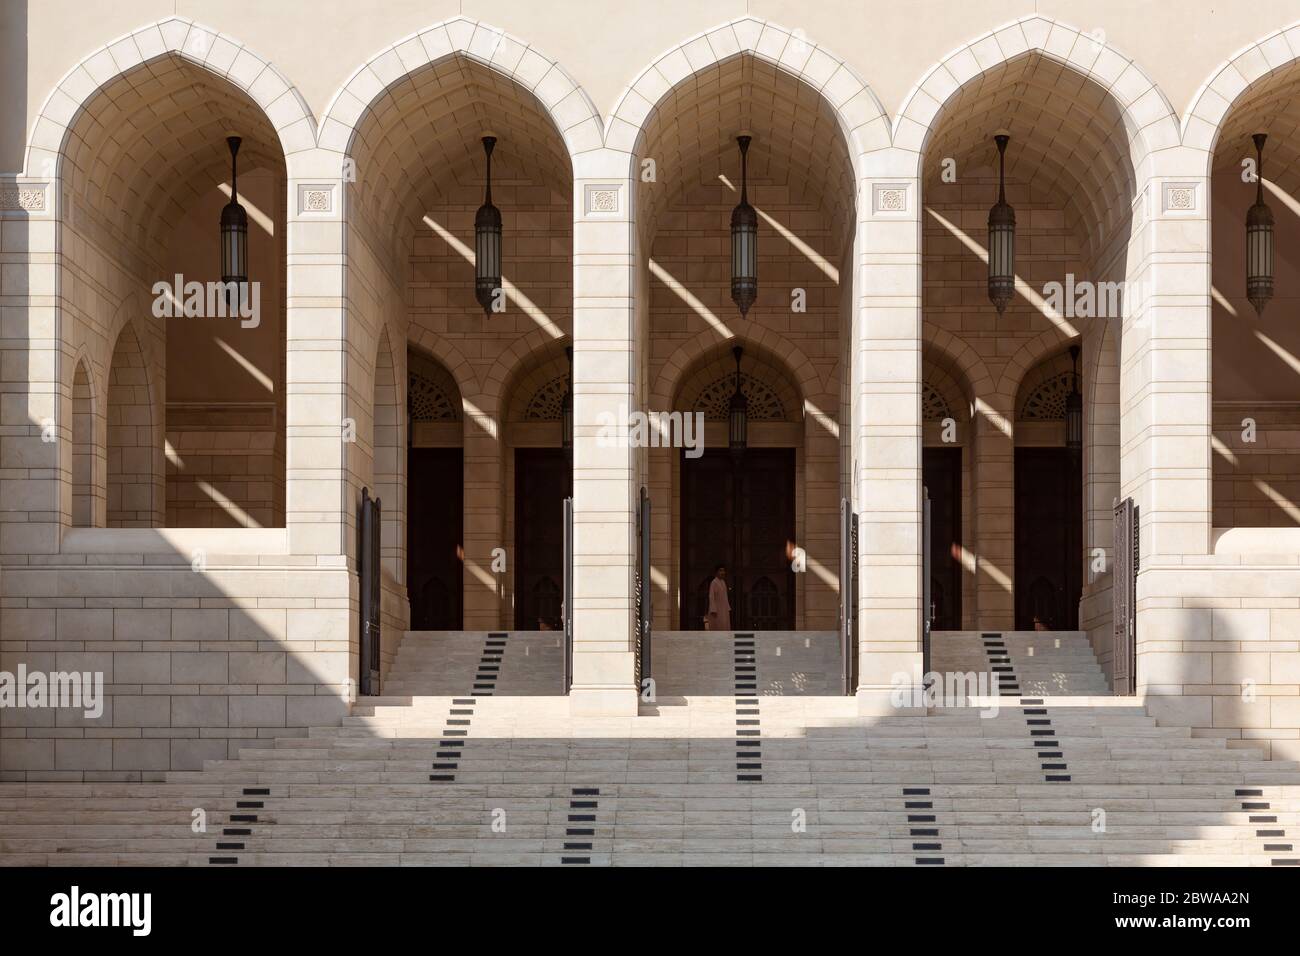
pixel 927 597
pixel 368 531
pixel 644 598
pixel 566 608
pixel 1124 598
pixel 848 597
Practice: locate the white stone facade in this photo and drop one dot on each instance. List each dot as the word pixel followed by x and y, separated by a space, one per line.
pixel 178 504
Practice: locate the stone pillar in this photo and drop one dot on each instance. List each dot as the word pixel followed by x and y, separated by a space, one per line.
pixel 1165 363
pixel 1166 456
pixel 318 513
pixel 484 516
pixel 994 520
pixel 326 382
pixel 37 372
pixel 886 401
pixel 605 358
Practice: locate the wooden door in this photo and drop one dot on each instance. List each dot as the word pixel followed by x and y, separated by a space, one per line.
pixel 941 470
pixel 541 485
pixel 1049 533
pixel 743 518
pixel 434 522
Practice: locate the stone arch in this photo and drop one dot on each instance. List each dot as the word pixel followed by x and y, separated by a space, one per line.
pixel 88 451
pixel 1148 117
pixel 1216 98
pixel 1030 355
pixel 536 389
pixel 449 357
pixel 134 480
pixel 1042 390
pixel 862 119
pixel 228 58
pixel 496 385
pixel 692 351
pixel 959 356
pixel 567 103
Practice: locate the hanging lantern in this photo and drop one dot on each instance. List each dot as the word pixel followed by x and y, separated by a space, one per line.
pixel 1074 408
pixel 738 414
pixel 234 235
pixel 1002 238
pixel 1259 238
pixel 566 406
pixel 744 240
pixel 487 241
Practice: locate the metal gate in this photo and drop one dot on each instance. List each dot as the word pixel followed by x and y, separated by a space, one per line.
pixel 927 598
pixel 368 529
pixel 644 600
pixel 848 598
pixel 1124 592
pixel 566 608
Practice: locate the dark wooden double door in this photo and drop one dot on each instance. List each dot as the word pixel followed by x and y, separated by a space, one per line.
pixel 740 515
pixel 1049 539
pixel 434 542
pixel 941 473
pixel 542 482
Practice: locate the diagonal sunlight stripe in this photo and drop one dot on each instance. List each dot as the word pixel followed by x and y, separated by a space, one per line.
pixel 811 254
pixel 262 378
pixel 1036 300
pixel 683 293
pixel 255 214
pixel 239 514
pixel 1279 499
pixel 526 305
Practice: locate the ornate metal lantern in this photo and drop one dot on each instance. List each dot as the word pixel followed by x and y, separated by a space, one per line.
pixel 1002 238
pixel 1074 408
pixel 738 414
pixel 487 241
pixel 1259 238
pixel 744 240
pixel 234 230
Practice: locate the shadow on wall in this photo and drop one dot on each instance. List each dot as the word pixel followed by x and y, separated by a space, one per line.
pixel 210 652
pixel 13 80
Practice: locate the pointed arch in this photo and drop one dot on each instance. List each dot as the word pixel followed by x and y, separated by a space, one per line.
pixel 564 100
pixel 861 117
pixel 223 55
pixel 87 449
pixel 135 480
pixel 1216 98
pixel 802 371
pixel 1148 118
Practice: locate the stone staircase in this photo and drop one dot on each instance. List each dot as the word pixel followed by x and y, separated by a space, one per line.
pixel 745 777
pixel 1045 663
pixel 514 663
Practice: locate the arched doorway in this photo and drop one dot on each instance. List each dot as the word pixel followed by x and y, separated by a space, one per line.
pixel 1073 223
pixel 539 478
pixel 739 510
pixel 1049 502
pixel 945 470
pixel 435 498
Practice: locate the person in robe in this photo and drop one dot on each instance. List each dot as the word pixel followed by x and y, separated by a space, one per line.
pixel 719 618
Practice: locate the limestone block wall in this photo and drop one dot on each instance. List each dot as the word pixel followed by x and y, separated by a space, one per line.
pixel 1219 644
pixel 222 470
pixel 1256 482
pixel 195 663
